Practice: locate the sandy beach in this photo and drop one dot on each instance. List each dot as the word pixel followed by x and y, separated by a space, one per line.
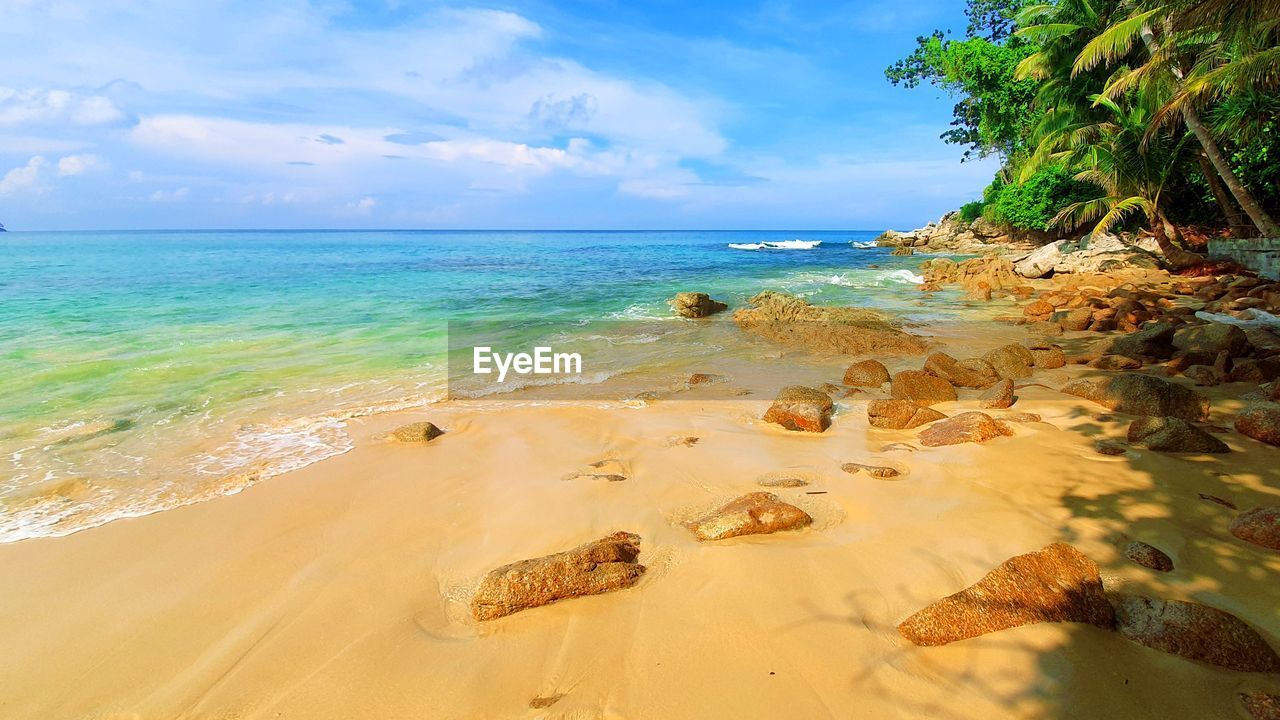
pixel 341 590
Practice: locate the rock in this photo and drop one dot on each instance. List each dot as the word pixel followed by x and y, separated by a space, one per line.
pixel 868 373
pixel 1212 339
pixel 900 251
pixel 1154 340
pixel 1171 434
pixel 1115 362
pixel 1011 361
pixel 1203 375
pixel 695 305
pixel 1038 309
pixel 883 472
pixel 1148 556
pixel 756 513
pixel 782 482
pixel 1194 631
pixel 1089 254
pixel 793 322
pixel 609 470
pixel 1109 447
pixel 1056 584
pixel 596 567
pixel 900 414
pixel 1253 370
pixel 999 396
pixel 921 388
pixel 1047 357
pixel 418 432
pixel 1139 394
pixel 1260 526
pixel 1260 422
pixel 1261 705
pixel 800 408
pixel 704 379
pixel 1077 319
pixel 966 427
pixel 1021 417
pixel 1046 328
pixel 970 373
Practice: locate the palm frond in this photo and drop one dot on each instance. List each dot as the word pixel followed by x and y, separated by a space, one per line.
pixel 1113 43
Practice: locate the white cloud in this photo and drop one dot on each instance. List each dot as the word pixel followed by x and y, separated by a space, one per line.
pixel 38 106
pixel 364 206
pixel 77 164
pixel 23 178
pixel 170 196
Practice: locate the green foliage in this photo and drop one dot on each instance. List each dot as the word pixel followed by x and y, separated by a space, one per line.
pixel 971 211
pixel 1033 203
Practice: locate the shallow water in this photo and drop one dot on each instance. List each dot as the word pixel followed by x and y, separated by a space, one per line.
pixel 144 370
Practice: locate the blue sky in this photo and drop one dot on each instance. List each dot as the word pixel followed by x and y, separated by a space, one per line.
pixel 398 114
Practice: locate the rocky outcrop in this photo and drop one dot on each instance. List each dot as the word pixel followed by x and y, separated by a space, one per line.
pixel 990 273
pixel 1171 434
pixel 1088 254
pixel 968 373
pixel 1148 556
pixel 755 513
pixel 1260 526
pixel 900 414
pixel 695 305
pixel 793 322
pixel 1194 631
pixel 596 567
pixel 867 373
pixel 800 408
pixel 1138 394
pixel 966 427
pixel 1260 422
pixel 1056 584
pixel 418 432
pixel 921 388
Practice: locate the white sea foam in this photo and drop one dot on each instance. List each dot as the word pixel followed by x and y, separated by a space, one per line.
pixel 778 245
pixel 864 245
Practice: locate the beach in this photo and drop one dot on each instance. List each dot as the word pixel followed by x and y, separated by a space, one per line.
pixel 342 589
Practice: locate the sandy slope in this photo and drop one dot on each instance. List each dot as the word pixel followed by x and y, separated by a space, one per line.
pixel 340 591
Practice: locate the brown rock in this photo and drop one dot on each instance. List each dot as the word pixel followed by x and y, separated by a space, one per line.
pixel 793 322
pixel 999 396
pixel 782 482
pixel 970 373
pixel 1037 309
pixel 1261 705
pixel 1203 375
pixel 1011 361
pixel 1115 362
pixel 695 305
pixel 1056 584
pixel 1048 328
pixel 1260 526
pixel 1021 417
pixel 418 432
pixel 1194 631
pixel 1139 394
pixel 868 373
pixel 900 414
pixel 1148 556
pixel 704 379
pixel 1171 434
pixel 1260 422
pixel 1107 446
pixel 1047 357
pixel 1154 340
pixel 1253 370
pixel 596 567
pixel 1211 339
pixel 884 472
pixel 1078 319
pixel 966 427
pixel 801 409
pixel 756 513
pixel 921 388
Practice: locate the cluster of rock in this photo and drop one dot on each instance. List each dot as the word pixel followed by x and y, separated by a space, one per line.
pixel 1094 253
pixel 794 323
pixel 953 234
pixel 695 305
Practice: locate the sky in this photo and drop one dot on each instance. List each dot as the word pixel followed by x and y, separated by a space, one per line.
pixel 527 114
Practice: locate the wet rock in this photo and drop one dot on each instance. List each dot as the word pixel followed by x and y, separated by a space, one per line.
pixel 1115 362
pixel 418 432
pixel 1194 631
pixel 1011 361
pixel 1261 705
pixel 793 322
pixel 596 567
pixel 966 427
pixel 902 251
pixel 1056 584
pixel 1171 434
pixel 1211 339
pixel 756 513
pixel 998 396
pixel 1148 556
pixel 1139 394
pixel 1107 446
pixel 900 414
pixel 800 408
pixel 704 379
pixel 867 373
pixel 970 373
pixel 921 388
pixel 1154 340
pixel 884 472
pixel 1037 309
pixel 1260 422
pixel 695 305
pixel 1047 357
pixel 1260 526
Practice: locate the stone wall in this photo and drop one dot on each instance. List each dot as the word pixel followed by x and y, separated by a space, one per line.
pixel 1262 255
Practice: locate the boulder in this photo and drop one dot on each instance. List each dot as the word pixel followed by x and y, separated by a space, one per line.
pixel 1203 375
pixel 1089 254
pixel 1212 339
pixel 901 251
pixel 1037 309
pixel 1076 319
pixel 1254 370
pixel 1011 361
pixel 1148 556
pixel 1056 584
pixel 1139 394
pixel 921 388
pixel 1047 328
pixel 800 408
pixel 900 414
pixel 1046 356
pixel 966 427
pixel 1194 631
pixel 695 305
pixel 868 373
pixel 969 373
pixel 1260 526
pixel 596 567
pixel 1171 434
pixel 1115 362
pixel 793 322
pixel 999 396
pixel 1260 422
pixel 418 432
pixel 1153 340
pixel 1261 705
pixel 756 513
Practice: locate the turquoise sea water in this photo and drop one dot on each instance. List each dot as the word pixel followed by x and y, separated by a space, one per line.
pixel 141 370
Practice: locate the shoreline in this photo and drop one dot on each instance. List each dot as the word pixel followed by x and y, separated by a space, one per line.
pixel 341 589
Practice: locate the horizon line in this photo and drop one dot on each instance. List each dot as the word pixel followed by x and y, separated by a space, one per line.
pixel 444 230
